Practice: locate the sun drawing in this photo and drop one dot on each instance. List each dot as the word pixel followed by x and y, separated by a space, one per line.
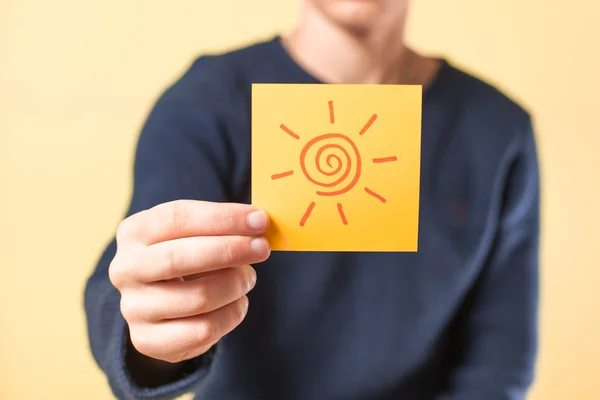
pixel 336 166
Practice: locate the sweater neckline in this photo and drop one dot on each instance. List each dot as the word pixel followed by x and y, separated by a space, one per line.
pixel 290 62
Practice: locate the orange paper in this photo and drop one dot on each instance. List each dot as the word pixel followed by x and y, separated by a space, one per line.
pixel 337 167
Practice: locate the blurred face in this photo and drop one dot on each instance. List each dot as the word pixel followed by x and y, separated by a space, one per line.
pixel 360 16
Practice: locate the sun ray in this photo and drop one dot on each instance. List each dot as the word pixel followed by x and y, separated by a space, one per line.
pixel 281 175
pixel 331 114
pixel 289 131
pixel 342 215
pixel 307 213
pixel 385 159
pixel 368 124
pixel 377 196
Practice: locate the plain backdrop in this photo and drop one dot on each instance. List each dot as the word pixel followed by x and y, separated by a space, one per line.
pixel 77 79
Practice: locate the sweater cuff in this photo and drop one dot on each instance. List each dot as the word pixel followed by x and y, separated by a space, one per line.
pixel 125 388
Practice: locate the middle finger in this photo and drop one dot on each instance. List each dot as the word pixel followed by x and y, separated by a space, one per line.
pixel 196 255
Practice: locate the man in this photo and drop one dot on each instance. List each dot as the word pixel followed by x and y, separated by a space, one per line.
pixel 457 320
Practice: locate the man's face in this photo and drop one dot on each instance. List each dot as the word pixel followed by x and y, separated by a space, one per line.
pixel 362 15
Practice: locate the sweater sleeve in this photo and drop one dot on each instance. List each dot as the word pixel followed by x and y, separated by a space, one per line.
pixel 499 319
pixel 182 153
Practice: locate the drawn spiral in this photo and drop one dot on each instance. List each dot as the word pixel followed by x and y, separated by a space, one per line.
pixel 331 161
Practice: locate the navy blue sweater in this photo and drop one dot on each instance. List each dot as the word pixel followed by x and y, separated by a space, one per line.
pixel 456 320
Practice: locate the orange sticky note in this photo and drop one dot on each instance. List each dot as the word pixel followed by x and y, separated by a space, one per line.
pixel 337 167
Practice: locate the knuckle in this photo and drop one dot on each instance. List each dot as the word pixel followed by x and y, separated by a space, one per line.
pixel 223 221
pixel 207 332
pixel 230 251
pixel 243 280
pixel 142 343
pixel 170 262
pixel 124 231
pixel 227 220
pixel 201 299
pixel 128 309
pixel 174 216
pixel 240 310
pixel 116 272
pixel 179 216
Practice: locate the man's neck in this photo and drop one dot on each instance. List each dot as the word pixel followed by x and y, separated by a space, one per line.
pixel 335 55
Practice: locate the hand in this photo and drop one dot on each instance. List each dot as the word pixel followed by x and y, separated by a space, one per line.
pixel 183 272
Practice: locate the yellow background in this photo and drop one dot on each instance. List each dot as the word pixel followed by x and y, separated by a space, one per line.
pixel 77 78
pixel 371 224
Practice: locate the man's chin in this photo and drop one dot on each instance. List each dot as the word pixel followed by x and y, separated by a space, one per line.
pixel 356 16
pixel 359 25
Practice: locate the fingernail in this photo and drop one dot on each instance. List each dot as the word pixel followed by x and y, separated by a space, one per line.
pixel 257 220
pixel 259 246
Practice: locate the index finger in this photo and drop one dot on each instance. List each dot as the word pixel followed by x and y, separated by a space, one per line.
pixel 186 218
